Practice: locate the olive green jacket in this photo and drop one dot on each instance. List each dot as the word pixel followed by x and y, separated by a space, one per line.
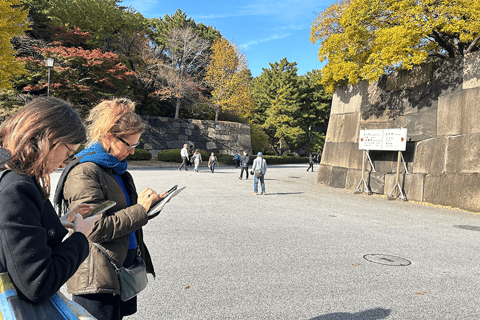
pixel 89 183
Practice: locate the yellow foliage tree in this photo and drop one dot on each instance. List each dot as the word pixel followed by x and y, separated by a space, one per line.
pixel 364 39
pixel 13 22
pixel 229 76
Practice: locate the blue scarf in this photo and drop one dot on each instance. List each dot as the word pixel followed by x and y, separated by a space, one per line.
pixel 102 158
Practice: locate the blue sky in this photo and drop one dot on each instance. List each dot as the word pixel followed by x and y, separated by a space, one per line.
pixel 267 31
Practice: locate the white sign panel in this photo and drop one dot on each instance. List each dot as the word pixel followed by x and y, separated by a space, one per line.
pixel 383 139
pixel 370 140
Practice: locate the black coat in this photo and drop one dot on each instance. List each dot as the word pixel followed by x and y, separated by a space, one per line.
pixel 31 247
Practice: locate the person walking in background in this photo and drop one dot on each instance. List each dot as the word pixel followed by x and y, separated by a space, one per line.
pixel 244 164
pixel 236 159
pixel 101 174
pixel 310 162
pixel 184 155
pixel 259 168
pixel 190 155
pixel 197 159
pixel 212 160
pixel 34 253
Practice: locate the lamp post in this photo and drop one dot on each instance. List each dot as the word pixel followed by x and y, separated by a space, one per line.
pixel 49 63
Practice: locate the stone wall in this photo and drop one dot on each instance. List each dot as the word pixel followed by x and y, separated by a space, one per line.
pixel 219 137
pixel 439 104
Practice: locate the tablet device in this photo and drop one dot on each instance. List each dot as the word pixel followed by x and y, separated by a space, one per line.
pixel 155 210
pixel 154 205
pixel 102 207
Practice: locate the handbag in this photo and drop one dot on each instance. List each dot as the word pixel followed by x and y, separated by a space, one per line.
pixel 258 173
pixel 57 307
pixel 132 279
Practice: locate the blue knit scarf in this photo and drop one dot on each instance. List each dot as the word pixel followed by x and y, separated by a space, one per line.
pixel 102 158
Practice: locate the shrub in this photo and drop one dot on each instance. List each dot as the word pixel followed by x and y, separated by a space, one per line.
pixel 140 154
pixel 171 155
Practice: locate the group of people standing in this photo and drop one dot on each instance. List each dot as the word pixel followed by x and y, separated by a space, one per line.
pixel 35 252
pixel 197 159
pixel 259 169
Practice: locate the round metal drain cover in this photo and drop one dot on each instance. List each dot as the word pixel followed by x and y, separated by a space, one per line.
pixel 387 260
pixel 472 228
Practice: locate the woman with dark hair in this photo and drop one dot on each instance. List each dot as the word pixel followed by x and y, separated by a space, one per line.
pixel 113 131
pixel 36 141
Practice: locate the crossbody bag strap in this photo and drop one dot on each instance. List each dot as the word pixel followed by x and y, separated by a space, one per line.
pixel 108 256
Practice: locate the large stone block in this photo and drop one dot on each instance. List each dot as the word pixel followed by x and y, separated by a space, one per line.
pixel 343 127
pixel 354 176
pixel 412 185
pixel 344 154
pixel 471 71
pixel 406 79
pixel 420 125
pixel 462 154
pixel 339 177
pixel 376 182
pixel 211 145
pixel 175 144
pixel 324 175
pixel 348 98
pixel 459 113
pixel 455 190
pixel 430 156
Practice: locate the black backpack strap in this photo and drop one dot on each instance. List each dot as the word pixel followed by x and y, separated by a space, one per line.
pixel 58 200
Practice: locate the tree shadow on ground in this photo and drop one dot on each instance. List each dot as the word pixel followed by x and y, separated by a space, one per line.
pixel 372 314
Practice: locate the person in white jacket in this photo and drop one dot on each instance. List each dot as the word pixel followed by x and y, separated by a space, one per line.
pixel 184 155
pixel 259 169
pixel 197 159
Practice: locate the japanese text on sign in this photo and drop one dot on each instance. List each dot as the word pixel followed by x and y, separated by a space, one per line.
pixel 383 139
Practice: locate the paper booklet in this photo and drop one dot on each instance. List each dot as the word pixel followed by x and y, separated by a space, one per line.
pixel 157 207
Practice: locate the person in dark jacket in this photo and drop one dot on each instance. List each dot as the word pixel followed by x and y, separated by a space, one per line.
pixel 310 162
pixel 36 141
pixel 113 131
pixel 244 165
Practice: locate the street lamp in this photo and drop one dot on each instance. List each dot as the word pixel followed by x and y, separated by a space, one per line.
pixel 49 63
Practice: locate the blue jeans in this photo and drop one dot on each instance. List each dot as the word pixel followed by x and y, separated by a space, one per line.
pixel 255 183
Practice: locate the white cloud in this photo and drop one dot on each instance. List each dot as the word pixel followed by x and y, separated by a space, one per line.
pixel 254 42
pixel 285 9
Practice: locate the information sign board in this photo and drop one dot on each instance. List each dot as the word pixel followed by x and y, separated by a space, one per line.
pixel 383 139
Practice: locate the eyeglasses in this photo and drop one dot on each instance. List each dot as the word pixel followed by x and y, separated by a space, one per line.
pixel 130 146
pixel 70 157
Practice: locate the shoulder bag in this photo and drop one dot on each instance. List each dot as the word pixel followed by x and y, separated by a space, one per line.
pixel 132 279
pixel 12 307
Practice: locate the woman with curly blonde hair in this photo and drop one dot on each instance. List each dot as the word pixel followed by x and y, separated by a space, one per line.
pixel 101 174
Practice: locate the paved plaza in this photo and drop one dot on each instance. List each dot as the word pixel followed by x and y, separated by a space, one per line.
pixel 303 251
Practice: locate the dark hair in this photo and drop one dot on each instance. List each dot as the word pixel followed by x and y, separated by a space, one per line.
pixel 34 131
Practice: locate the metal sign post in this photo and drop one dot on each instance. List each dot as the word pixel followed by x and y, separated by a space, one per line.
pixel 397 189
pixel 363 185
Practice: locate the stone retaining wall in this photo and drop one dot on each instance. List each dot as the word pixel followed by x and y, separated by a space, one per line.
pixel 439 104
pixel 219 137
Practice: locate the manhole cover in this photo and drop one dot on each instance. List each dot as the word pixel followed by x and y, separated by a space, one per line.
pixel 472 228
pixel 387 260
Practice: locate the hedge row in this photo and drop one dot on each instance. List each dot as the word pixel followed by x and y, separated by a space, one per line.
pixel 140 154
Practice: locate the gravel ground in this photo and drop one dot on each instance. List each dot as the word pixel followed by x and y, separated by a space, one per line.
pixel 302 251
